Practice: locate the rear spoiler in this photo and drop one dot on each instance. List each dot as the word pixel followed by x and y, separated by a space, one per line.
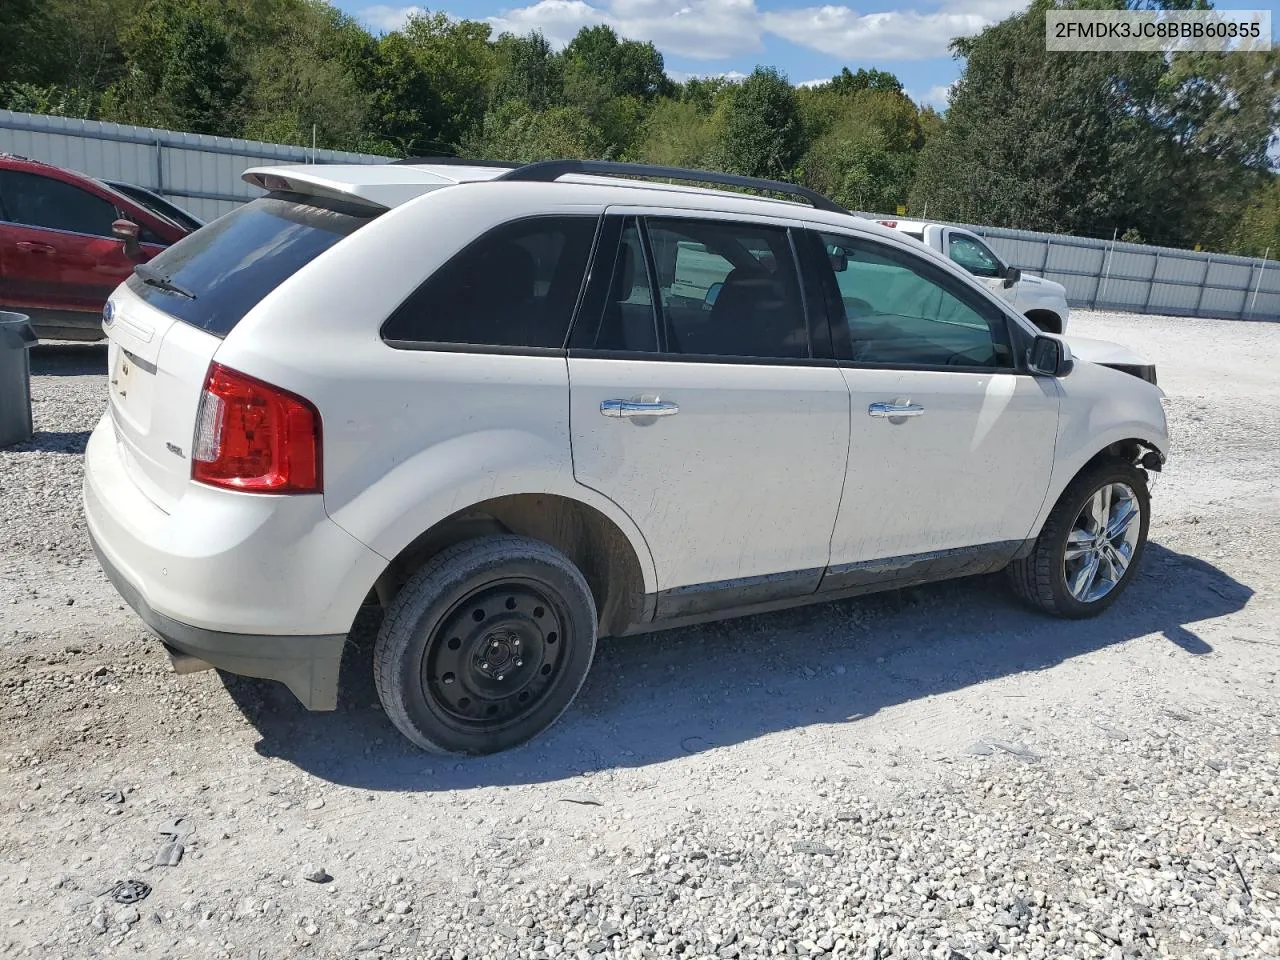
pixel 328 182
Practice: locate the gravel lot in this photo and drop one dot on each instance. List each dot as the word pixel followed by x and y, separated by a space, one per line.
pixel 927 774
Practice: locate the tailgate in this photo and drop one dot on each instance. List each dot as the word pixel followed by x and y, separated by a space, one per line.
pixel 156 368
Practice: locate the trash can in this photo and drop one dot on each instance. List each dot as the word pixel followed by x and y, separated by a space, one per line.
pixel 16 336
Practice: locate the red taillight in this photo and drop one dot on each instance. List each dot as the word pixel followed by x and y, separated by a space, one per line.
pixel 887 223
pixel 254 437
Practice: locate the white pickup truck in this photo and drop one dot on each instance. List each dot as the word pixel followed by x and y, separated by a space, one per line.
pixel 1042 301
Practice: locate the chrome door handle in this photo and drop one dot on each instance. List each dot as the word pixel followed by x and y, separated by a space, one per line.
pixel 27 246
pixel 639 408
pixel 895 410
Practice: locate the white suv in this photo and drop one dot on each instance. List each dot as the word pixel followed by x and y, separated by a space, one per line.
pixel 523 408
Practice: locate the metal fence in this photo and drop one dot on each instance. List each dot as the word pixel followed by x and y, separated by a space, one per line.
pixel 198 172
pixel 1109 275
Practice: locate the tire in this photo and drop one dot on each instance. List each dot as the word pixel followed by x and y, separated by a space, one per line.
pixel 486 645
pixel 1045 577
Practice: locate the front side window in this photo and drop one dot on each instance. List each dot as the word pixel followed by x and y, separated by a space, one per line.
pixel 727 289
pixel 36 201
pixel 516 286
pixel 974 257
pixel 901 311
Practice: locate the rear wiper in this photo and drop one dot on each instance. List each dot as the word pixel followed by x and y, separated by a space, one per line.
pixel 154 278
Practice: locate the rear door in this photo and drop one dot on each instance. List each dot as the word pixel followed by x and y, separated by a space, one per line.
pixel 57 252
pixel 708 407
pixel 951 443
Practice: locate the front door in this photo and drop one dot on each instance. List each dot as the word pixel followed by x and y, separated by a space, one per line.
pixel 701 405
pixel 951 445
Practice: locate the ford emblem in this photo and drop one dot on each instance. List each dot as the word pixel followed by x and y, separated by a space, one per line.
pixel 108 313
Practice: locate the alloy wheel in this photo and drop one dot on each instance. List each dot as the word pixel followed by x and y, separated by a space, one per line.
pixel 1102 541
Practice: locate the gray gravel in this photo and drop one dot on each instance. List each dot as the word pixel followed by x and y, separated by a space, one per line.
pixel 932 774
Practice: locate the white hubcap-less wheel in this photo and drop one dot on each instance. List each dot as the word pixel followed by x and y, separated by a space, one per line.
pixel 1101 543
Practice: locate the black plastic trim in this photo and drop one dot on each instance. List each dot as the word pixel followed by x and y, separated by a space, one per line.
pixel 547 171
pixel 432 346
pixel 453 162
pixel 920 567
pixel 709 597
pixel 594 354
pixel 724 599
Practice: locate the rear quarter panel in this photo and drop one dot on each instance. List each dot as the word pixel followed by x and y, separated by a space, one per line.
pixel 412 436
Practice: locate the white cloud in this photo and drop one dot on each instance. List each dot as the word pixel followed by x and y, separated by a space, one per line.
pixel 382 17
pixel 892 35
pixel 937 96
pixel 680 76
pixel 717 29
pixel 698 29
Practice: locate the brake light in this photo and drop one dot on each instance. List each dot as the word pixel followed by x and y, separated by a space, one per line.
pixel 887 223
pixel 254 437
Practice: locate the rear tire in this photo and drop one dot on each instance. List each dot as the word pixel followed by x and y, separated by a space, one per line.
pixel 486 645
pixel 1079 567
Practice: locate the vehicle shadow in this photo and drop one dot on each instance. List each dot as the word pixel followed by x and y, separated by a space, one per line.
pixel 655 697
pixel 53 441
pixel 67 358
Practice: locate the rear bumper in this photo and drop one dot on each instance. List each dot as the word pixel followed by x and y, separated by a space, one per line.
pixel 308 666
pixel 265 586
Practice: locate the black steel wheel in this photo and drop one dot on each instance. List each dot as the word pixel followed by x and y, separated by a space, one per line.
pixel 485 646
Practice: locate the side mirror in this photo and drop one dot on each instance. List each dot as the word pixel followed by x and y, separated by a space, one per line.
pixel 839 261
pixel 1011 276
pixel 1050 356
pixel 713 292
pixel 127 231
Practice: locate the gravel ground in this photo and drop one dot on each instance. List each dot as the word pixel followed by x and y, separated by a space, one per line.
pixel 935 773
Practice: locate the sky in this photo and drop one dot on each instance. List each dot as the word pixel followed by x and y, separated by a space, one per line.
pixel 808 41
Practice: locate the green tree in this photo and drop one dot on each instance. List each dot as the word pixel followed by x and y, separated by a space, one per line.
pixel 879 80
pixel 679 134
pixel 762 134
pixel 310 81
pixel 526 68
pixel 1090 143
pixel 511 131
pixel 1256 231
pixel 183 71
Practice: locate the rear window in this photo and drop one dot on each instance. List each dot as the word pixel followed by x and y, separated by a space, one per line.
pixel 232 263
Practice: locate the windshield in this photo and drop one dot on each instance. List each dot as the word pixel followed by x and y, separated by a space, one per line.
pixel 230 265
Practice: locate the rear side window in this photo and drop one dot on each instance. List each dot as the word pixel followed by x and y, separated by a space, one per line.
pixel 44 202
pixel 516 286
pixel 231 264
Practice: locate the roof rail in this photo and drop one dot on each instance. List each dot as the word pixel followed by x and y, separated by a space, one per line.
pixel 455 162
pixel 549 170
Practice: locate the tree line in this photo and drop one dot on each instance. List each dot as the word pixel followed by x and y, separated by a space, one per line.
pixel 1161 149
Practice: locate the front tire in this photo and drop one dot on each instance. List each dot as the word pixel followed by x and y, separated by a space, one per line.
pixel 1091 544
pixel 486 645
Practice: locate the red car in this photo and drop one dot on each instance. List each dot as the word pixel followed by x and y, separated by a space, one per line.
pixel 59 259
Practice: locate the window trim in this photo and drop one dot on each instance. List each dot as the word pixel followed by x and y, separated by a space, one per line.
pixel 58 230
pixel 978 299
pixel 502 349
pixel 810 310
